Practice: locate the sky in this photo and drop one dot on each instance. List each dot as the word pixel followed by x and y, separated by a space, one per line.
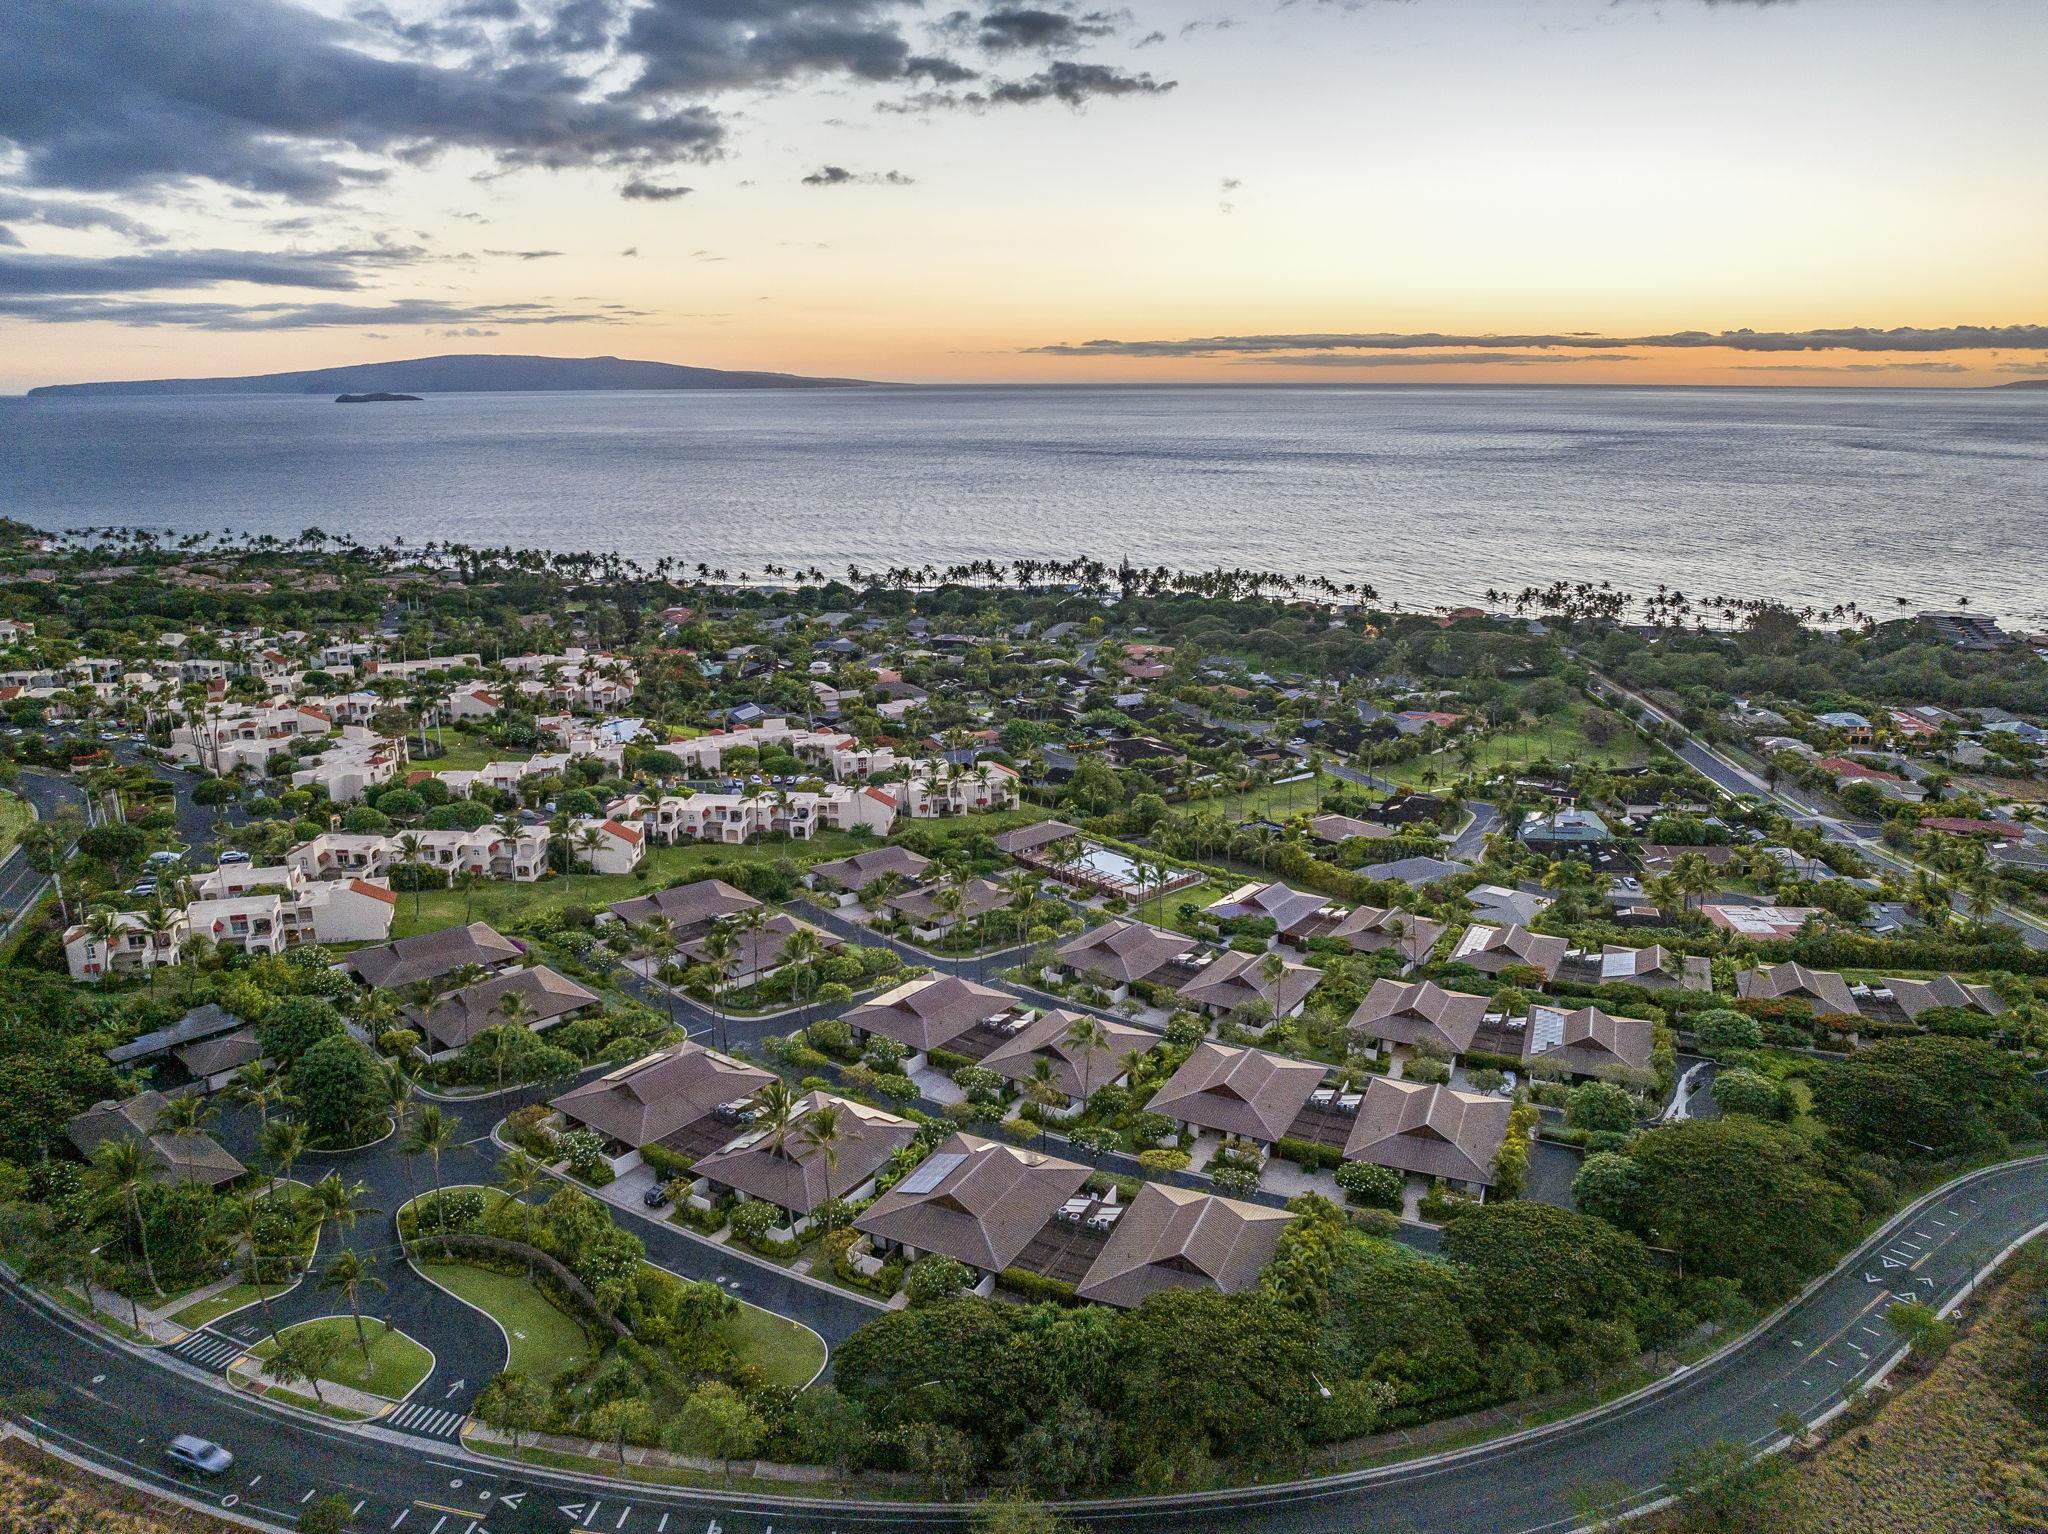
pixel 1722 192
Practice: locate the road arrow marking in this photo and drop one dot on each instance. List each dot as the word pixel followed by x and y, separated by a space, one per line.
pixel 573 1509
pixel 512 1499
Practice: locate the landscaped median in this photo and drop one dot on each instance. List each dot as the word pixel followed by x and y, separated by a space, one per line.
pixel 334 1366
pixel 603 1344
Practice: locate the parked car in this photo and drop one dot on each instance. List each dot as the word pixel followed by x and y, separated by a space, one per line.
pixel 200 1454
pixel 655 1197
pixel 143 887
pixel 233 855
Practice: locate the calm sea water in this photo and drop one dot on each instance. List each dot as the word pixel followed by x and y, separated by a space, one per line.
pixel 1814 497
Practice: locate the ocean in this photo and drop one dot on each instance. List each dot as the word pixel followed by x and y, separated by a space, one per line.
pixel 1813 497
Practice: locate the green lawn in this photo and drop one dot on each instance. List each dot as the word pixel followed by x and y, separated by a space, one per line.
pixel 1560 739
pixel 231 1299
pixel 788 1354
pixel 14 819
pixel 468 753
pixel 544 1341
pixel 1274 802
pixel 502 901
pixel 396 1364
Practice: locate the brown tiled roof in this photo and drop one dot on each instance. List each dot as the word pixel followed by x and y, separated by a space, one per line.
pixel 1286 908
pixel 1250 1092
pixel 461 1015
pixel 1688 970
pixel 1174 1238
pixel 1402 1013
pixel 1491 948
pixel 1826 990
pixel 929 1013
pixel 1030 838
pixel 863 868
pixel 1075 1071
pixel 1917 996
pixel 687 905
pixel 1123 950
pixel 661 1093
pixel 1368 929
pixel 797 1176
pixel 431 955
pixel 977 898
pixel 171 1157
pixel 1435 1131
pixel 1341 828
pixel 1232 980
pixel 1589 1041
pixel 982 1208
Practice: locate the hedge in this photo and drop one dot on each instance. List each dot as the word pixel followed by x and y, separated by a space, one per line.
pixel 1036 1286
pixel 1310 1155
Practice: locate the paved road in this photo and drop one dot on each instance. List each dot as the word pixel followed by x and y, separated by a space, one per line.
pixel 1803 807
pixel 119 1407
pixel 47 793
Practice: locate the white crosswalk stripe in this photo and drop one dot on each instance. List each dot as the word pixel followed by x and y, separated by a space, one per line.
pixel 429 1420
pixel 207 1350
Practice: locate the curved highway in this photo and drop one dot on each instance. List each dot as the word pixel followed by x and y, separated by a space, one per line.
pixel 117 1405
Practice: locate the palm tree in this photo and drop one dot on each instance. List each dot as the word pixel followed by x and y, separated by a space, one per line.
pixel 282 1142
pixel 821 1133
pixel 467 881
pixel 433 1134
pixel 398 1088
pixel 517 1012
pixel 720 951
pixel 339 1203
pixel 410 849
pixel 778 1112
pixel 800 953
pixel 120 1168
pixel 185 1114
pixel 1273 970
pixel 349 1272
pixel 586 841
pixel 1086 1038
pixel 246 1217
pixel 519 1174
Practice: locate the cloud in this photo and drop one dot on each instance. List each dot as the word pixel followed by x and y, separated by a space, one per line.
pixel 217 316
pixel 638 190
pixel 1854 338
pixel 66 213
pixel 525 255
pixel 150 271
pixel 1846 367
pixel 697 46
pixel 1064 80
pixel 630 250
pixel 268 97
pixel 1430 359
pixel 839 175
pixel 1014 28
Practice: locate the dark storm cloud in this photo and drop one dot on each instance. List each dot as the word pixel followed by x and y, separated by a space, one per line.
pixel 264 96
pixel 839 175
pixel 204 315
pixel 150 271
pixel 638 190
pixel 1854 338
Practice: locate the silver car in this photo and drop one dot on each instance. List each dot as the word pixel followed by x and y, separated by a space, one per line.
pixel 200 1454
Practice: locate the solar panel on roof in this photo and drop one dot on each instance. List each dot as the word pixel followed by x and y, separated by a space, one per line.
pixel 931 1172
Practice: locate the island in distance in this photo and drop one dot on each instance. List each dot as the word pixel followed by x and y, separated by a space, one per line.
pixel 471 373
pixel 380 397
